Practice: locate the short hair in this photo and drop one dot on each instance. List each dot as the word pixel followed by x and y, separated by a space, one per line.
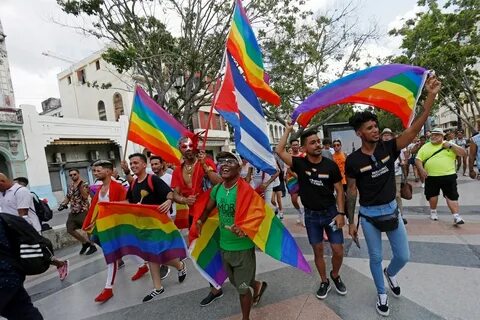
pixel 180 141
pixel 73 169
pixel 327 141
pixel 337 140
pixel 293 140
pixel 422 137
pixel 104 164
pixel 22 180
pixel 305 135
pixel 140 155
pixel 360 118
pixel 156 158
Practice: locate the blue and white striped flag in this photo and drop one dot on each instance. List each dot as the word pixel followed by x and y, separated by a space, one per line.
pixel 237 103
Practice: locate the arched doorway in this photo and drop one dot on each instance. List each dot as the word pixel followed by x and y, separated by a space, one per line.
pixel 102 113
pixel 5 165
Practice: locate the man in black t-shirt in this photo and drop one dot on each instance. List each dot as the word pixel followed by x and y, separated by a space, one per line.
pixel 371 170
pixel 150 189
pixel 318 178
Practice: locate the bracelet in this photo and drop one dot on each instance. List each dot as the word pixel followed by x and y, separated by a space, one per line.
pixel 342 213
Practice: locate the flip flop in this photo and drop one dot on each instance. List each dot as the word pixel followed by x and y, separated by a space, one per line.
pixel 256 299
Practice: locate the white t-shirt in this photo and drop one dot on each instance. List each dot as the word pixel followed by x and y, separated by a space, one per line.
pixel 167 178
pixel 18 197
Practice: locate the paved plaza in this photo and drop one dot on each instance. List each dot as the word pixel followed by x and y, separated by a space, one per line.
pixel 440 282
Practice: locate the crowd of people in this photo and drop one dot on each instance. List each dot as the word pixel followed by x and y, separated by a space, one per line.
pixel 322 181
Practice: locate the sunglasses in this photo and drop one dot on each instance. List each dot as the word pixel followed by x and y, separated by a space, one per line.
pixel 73 175
pixel 228 162
pixel 336 145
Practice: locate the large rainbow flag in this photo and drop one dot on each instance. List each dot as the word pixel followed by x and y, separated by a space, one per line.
pixel 154 128
pixel 260 224
pixel 394 88
pixel 125 228
pixel 243 46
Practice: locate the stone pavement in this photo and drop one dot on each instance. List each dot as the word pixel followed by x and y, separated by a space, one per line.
pixel 440 282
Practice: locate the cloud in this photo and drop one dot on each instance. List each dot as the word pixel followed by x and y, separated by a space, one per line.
pixel 30 31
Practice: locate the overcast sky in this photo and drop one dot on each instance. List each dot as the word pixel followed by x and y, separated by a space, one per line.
pixel 30 31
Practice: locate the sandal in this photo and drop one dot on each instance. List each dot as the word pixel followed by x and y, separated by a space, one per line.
pixel 256 298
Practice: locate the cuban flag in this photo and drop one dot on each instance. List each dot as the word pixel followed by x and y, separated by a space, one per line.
pixel 239 106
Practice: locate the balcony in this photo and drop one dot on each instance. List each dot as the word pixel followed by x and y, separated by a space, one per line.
pixel 11 116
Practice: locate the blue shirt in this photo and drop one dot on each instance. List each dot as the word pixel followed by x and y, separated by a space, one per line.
pixel 9 276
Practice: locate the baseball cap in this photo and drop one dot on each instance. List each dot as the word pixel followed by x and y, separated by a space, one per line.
pixel 387 130
pixel 227 154
pixel 437 131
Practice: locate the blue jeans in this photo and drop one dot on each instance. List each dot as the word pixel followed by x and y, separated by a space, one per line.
pixel 316 222
pixel 398 243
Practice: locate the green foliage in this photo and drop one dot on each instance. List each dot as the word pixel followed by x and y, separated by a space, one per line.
pixel 446 40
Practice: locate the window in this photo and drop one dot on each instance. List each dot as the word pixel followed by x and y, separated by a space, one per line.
pixel 69 80
pixel 97 65
pixel 102 114
pixel 118 105
pixel 81 76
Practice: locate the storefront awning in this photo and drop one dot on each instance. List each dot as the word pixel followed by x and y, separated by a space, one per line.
pixel 81 141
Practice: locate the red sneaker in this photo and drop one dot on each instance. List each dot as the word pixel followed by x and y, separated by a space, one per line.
pixel 104 296
pixel 140 272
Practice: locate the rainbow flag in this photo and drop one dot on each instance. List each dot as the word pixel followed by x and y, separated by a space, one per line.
pixel 260 224
pixel 154 128
pixel 257 219
pixel 125 228
pixel 394 88
pixel 243 46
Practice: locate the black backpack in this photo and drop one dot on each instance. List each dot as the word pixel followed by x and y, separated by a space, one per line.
pixel 31 252
pixel 42 209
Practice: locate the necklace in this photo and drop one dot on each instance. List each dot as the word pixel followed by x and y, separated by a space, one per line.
pixel 189 168
pixel 228 189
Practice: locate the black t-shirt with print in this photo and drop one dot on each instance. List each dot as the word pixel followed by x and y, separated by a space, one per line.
pixel 316 182
pixel 375 176
pixel 156 196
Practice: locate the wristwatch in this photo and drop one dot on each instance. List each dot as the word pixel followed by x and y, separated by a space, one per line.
pixel 342 213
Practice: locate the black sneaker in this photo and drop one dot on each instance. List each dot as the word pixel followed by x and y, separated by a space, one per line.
pixel 392 283
pixel 382 306
pixel 323 290
pixel 91 249
pixel 339 285
pixel 210 298
pixel 164 271
pixel 182 273
pixel 85 246
pixel 404 221
pixel 153 294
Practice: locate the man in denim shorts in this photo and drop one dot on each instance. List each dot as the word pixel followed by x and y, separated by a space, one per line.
pixel 318 178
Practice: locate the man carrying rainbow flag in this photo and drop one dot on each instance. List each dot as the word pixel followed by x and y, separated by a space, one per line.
pixel 237 250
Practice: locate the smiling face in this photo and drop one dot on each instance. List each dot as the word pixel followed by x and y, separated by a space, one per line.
pixel 337 146
pixel 229 169
pixel 295 146
pixel 137 165
pixel 369 132
pixel 436 138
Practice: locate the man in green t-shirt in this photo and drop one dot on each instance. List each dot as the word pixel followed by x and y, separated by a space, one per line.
pixel 436 165
pixel 237 250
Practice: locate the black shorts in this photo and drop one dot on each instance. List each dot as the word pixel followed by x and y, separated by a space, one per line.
pixel 448 185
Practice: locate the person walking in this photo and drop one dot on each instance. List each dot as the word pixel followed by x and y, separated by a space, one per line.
pixel 292 182
pixel 318 179
pixel 77 197
pixel 237 250
pixel 436 165
pixel 189 180
pixel 279 189
pixel 462 142
pixel 474 155
pixel 371 171
pixel 150 189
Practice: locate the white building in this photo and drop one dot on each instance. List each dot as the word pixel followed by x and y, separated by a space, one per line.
pixel 448 120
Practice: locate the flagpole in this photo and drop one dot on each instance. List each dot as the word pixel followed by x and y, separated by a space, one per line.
pixel 215 91
pixel 129 122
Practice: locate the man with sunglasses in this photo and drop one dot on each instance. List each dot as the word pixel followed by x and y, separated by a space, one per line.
pixel 77 197
pixel 236 248
pixel 371 170
pixel 189 181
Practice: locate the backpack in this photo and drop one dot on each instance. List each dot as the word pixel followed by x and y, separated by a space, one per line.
pixel 149 182
pixel 32 253
pixel 42 209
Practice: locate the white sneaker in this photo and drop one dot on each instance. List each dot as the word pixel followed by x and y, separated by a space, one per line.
pixel 280 215
pixel 458 219
pixel 433 216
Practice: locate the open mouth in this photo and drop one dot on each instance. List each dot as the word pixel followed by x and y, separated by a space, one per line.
pixel 225 169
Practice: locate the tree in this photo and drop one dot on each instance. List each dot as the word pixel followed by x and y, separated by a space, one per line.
pixel 447 40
